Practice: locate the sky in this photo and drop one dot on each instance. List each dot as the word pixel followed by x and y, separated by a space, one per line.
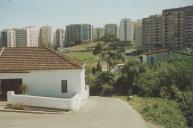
pixel 58 13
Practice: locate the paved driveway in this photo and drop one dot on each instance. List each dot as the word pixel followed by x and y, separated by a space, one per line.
pixel 99 112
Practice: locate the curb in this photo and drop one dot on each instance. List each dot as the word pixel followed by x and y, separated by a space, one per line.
pixel 33 112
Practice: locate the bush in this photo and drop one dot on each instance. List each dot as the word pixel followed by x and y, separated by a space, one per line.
pixel 107 90
pixel 185 101
pixel 103 84
pixel 165 112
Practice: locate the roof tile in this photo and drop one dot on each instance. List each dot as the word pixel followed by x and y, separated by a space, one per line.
pixel 34 58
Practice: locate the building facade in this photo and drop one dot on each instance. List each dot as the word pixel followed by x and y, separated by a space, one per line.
pixel 21 37
pixel 11 38
pixel 0 40
pixel 155 56
pixel 59 38
pixel 86 32
pixel 151 32
pixel 45 36
pixel 110 30
pixel 98 33
pixel 188 26
pixel 73 34
pixel 177 30
pixel 4 36
pixel 32 36
pixel 126 30
pixel 138 33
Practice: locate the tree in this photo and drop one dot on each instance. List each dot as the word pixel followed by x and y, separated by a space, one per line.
pixel 98 49
pixel 103 85
pixel 99 67
pixel 109 38
pixel 125 83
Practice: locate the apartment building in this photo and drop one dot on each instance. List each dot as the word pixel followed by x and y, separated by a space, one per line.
pixel 111 30
pixel 188 32
pixel 126 30
pixel 173 28
pixel 86 32
pixel 138 33
pixel 4 41
pixel 21 37
pixel 11 38
pixel 0 40
pixel 32 34
pixel 59 38
pixel 8 38
pixel 98 33
pixel 151 32
pixel 73 35
pixel 45 36
pixel 177 30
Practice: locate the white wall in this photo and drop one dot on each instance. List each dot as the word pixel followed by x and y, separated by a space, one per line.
pixel 48 83
pixel 73 103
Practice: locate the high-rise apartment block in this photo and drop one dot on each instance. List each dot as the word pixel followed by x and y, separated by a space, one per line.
pixel 11 37
pixel 126 30
pixel 177 30
pixel 76 33
pixel 32 34
pixel 21 37
pixel 73 35
pixel 0 40
pixel 8 38
pixel 4 41
pixel 151 32
pixel 138 33
pixel 188 26
pixel 59 38
pixel 98 33
pixel 86 32
pixel 111 30
pixel 45 36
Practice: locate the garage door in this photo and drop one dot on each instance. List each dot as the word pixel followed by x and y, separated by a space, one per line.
pixel 9 85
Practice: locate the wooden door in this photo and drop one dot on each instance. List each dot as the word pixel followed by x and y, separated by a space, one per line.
pixel 9 85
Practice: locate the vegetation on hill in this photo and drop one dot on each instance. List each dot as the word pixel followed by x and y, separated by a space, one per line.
pixel 170 81
pixel 159 111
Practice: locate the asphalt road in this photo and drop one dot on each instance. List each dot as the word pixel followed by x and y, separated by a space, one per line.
pixel 99 112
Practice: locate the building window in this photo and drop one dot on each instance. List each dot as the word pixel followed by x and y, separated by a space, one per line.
pixel 64 86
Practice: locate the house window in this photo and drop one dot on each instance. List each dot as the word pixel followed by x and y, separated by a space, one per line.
pixel 64 86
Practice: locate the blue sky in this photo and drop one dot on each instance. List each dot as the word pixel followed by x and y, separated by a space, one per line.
pixel 58 13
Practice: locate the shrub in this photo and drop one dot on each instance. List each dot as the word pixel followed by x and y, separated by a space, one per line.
pixel 162 111
pixel 107 90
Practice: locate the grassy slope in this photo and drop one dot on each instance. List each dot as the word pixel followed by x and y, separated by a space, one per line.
pixel 160 111
pixel 83 52
pixel 85 56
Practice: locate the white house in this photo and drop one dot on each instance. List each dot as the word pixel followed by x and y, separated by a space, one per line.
pixel 52 80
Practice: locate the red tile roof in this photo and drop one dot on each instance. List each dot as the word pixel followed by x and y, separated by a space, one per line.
pixel 34 58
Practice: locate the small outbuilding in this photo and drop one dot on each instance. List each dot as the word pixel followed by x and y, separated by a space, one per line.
pixel 154 56
pixel 48 78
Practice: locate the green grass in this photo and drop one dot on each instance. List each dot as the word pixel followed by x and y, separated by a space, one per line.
pixel 160 111
pixel 83 52
pixel 84 56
